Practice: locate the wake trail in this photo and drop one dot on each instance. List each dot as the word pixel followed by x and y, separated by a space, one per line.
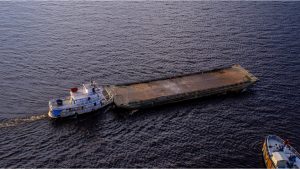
pixel 23 120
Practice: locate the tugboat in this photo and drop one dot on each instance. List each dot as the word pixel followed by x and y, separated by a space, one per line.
pixel 278 153
pixel 85 99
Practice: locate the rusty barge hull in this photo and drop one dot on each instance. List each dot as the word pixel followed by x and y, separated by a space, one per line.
pixel 179 88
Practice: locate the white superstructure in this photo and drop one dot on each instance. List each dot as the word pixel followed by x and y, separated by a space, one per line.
pixel 82 100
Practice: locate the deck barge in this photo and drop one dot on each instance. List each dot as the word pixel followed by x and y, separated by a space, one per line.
pixel 179 88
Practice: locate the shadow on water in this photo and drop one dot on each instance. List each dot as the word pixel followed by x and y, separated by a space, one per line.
pixel 89 121
pixel 82 120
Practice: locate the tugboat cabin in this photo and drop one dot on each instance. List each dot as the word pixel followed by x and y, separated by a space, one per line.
pixel 85 96
pixel 86 99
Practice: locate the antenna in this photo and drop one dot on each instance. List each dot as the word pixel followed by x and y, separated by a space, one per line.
pixel 93 82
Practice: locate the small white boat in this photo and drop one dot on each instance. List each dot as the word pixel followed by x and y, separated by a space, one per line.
pixel 278 153
pixel 85 99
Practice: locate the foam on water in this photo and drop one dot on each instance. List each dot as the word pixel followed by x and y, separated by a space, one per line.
pixel 19 121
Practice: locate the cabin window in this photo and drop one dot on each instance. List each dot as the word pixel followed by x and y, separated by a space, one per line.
pixel 95 104
pixel 280 166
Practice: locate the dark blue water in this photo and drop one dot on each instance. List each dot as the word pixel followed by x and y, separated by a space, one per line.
pixel 48 47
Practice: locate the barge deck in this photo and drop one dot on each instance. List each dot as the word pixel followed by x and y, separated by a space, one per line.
pixel 178 88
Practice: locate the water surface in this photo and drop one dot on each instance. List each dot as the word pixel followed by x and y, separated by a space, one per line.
pixel 48 47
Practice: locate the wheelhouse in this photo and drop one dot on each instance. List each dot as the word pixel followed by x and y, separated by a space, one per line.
pixel 81 100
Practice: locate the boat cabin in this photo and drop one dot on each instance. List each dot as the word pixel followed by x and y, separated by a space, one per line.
pixel 84 95
pixel 280 160
pixel 85 99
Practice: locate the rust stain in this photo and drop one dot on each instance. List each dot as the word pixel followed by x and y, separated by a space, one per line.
pixel 141 92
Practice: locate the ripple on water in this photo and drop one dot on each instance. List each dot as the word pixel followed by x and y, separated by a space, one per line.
pixel 47 47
